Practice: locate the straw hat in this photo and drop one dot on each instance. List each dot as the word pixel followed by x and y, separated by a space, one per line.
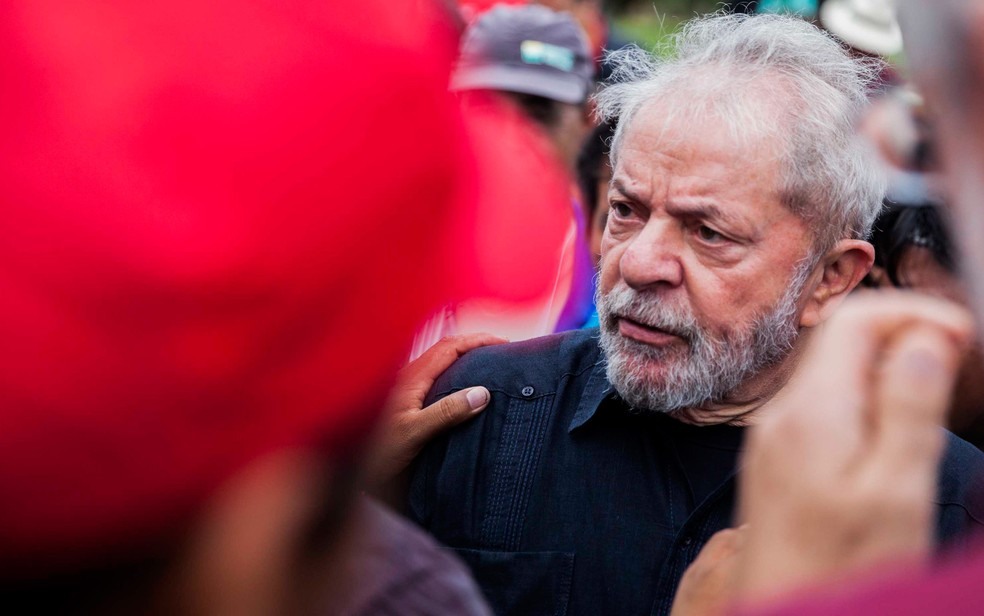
pixel 867 25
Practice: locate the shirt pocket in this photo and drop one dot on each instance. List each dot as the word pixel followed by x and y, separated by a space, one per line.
pixel 535 583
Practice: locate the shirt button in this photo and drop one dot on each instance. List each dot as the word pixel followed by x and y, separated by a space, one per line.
pixel 527 391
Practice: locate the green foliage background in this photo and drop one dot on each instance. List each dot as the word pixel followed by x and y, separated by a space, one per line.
pixel 649 23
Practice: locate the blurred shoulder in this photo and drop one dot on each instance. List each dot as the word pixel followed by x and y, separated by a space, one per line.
pixel 960 457
pixel 962 477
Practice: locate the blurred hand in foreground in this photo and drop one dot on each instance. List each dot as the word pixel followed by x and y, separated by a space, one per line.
pixel 409 426
pixel 708 585
pixel 841 474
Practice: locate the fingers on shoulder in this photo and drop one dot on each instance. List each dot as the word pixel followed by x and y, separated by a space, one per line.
pixel 446 351
pixel 455 408
pixel 460 344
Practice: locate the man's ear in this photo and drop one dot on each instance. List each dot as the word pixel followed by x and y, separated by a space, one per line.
pixel 842 268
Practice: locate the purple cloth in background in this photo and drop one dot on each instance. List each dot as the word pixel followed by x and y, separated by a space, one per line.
pixel 396 569
pixel 580 302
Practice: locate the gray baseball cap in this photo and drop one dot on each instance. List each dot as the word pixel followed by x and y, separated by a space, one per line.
pixel 528 49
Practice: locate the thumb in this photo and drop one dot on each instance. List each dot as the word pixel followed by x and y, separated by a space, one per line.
pixel 449 411
pixel 913 396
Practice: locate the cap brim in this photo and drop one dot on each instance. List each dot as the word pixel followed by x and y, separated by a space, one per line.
pixel 566 88
pixel 838 19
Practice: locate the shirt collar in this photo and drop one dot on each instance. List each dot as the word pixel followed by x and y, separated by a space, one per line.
pixel 597 389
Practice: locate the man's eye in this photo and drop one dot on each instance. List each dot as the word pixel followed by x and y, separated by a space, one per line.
pixel 622 210
pixel 709 235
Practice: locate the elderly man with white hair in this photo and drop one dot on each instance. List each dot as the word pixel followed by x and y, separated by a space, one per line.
pixel 739 207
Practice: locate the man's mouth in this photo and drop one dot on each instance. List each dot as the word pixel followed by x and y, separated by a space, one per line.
pixel 645 334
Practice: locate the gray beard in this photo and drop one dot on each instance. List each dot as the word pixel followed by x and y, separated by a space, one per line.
pixel 709 368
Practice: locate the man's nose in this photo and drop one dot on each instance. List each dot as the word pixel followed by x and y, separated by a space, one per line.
pixel 653 256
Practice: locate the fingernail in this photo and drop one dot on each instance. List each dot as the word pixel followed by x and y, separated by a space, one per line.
pixel 477 397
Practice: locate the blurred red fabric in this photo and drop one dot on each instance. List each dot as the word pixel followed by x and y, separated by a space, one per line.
pixel 472 9
pixel 222 222
pixel 953 586
pixel 523 208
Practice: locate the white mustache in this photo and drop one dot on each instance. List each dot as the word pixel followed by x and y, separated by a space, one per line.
pixel 649 310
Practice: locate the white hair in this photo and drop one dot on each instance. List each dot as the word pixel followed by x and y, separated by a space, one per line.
pixel 767 75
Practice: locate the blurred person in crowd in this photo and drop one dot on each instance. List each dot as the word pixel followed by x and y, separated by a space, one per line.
pixel 602 34
pixel 539 59
pixel 606 459
pixel 914 250
pixel 590 15
pixel 594 174
pixel 523 77
pixel 196 291
pixel 869 28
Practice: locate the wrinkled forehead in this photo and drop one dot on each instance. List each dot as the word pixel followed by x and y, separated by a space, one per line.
pixel 665 136
pixel 714 124
pixel 715 108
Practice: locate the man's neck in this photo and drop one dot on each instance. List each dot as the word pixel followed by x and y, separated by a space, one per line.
pixel 742 406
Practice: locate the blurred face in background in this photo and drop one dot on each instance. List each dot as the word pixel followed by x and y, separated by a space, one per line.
pixel 919 270
pixel 572 126
pixel 945 49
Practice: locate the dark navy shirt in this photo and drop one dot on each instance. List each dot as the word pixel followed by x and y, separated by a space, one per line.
pixel 562 501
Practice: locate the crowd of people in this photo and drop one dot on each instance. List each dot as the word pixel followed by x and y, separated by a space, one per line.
pixel 472 307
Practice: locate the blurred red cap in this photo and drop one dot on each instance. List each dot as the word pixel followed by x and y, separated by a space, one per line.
pixel 222 221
